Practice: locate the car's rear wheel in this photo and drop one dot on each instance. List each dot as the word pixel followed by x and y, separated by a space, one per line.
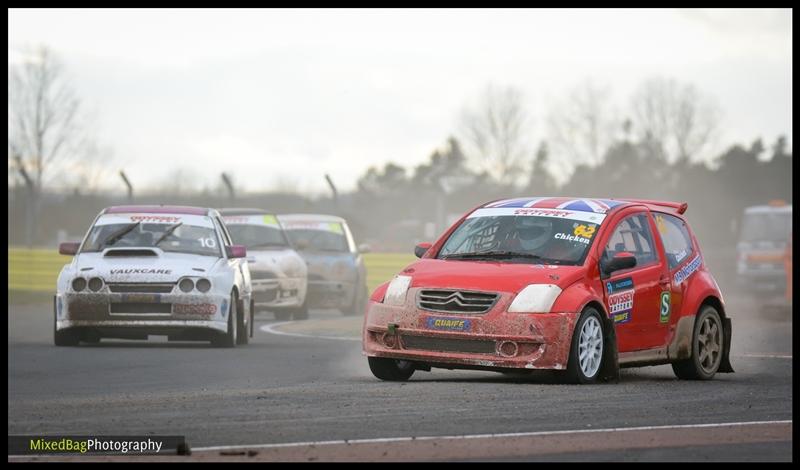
pixel 228 340
pixel 586 351
pixel 393 370
pixel 707 348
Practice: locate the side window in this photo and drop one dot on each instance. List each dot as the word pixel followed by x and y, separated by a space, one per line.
pixel 676 238
pixel 633 235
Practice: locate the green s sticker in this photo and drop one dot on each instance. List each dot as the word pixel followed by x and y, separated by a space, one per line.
pixel 666 306
pixel 270 220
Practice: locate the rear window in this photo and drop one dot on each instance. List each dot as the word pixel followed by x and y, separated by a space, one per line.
pixel 675 237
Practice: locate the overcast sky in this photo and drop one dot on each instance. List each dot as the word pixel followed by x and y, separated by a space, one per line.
pixel 280 98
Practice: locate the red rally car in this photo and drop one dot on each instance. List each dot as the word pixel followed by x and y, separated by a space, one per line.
pixel 581 286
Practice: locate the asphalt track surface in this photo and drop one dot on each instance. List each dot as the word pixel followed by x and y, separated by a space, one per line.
pixel 300 398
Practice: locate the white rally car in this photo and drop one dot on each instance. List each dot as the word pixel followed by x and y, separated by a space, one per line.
pixel 154 270
pixel 279 275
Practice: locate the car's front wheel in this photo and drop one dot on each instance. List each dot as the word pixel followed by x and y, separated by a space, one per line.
pixel 243 327
pixel 301 312
pixel 586 351
pixel 707 347
pixel 393 370
pixel 68 337
pixel 359 302
pixel 228 340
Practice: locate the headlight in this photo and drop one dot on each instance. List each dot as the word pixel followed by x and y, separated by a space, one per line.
pixel 203 285
pixel 396 292
pixel 78 284
pixel 95 284
pixel 535 298
pixel 186 285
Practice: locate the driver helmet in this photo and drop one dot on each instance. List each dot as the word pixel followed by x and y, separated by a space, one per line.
pixel 533 232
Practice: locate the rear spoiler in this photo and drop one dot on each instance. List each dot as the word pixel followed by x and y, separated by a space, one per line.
pixel 679 207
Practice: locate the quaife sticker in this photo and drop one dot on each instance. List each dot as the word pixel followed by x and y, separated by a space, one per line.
pixel 451 324
pixel 686 271
pixel 623 317
pixel 666 306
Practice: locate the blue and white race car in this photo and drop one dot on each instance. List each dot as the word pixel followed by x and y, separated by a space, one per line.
pixel 337 277
pixel 154 270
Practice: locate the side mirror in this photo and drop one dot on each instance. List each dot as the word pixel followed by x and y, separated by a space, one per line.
pixel 364 248
pixel 422 248
pixel 236 251
pixel 68 248
pixel 620 261
pixel 301 244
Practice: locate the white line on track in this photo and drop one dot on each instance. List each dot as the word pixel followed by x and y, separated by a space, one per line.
pixel 769 356
pixel 483 436
pixel 271 329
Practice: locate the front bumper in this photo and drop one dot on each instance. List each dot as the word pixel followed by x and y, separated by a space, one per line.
pixel 496 339
pixel 330 294
pixel 142 311
pixel 279 293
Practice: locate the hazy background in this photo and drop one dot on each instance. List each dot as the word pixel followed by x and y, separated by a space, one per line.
pixel 416 115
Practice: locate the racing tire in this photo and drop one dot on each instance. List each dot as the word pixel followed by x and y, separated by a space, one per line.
pixel 359 303
pixel 586 351
pixel 243 328
pixel 707 347
pixel 252 318
pixel 228 339
pixel 90 337
pixel 65 338
pixel 301 312
pixel 68 337
pixel 391 370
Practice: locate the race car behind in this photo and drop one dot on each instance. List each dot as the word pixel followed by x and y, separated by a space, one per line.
pixel 154 270
pixel 279 275
pixel 337 277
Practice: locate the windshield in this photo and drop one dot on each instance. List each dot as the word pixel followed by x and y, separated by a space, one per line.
pixel 257 236
pixel 773 227
pixel 521 238
pixel 318 240
pixel 178 237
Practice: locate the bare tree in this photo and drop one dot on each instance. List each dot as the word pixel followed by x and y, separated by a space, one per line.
pixel 581 127
pixel 675 117
pixel 92 169
pixel 496 133
pixel 43 124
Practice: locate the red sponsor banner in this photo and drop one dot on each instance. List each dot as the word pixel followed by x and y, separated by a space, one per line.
pixel 194 309
pixel 548 212
pixel 621 301
pixel 159 219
